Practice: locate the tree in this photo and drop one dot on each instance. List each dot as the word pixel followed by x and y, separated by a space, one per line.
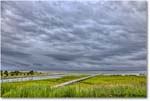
pixel 28 73
pixel 12 74
pixel 1 73
pixel 6 73
pixel 16 72
pixel 31 72
pixel 24 73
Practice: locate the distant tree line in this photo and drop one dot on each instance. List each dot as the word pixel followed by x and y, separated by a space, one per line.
pixel 15 73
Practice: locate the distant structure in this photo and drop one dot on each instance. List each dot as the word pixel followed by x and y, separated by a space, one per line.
pixel 141 74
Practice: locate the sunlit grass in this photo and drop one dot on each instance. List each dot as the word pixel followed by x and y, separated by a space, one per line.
pixel 114 81
pixel 99 86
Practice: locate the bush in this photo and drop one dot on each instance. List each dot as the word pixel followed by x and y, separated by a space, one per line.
pixel 6 73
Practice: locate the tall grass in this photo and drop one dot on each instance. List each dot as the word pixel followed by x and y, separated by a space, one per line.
pixel 100 86
pixel 73 91
pixel 116 91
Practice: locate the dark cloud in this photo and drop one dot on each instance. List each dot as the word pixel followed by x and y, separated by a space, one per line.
pixel 74 35
pixel 64 56
pixel 15 53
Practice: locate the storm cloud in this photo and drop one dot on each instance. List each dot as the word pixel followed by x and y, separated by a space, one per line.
pixel 74 35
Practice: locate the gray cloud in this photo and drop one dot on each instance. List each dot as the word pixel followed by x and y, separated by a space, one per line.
pixel 74 35
pixel 63 56
pixel 14 53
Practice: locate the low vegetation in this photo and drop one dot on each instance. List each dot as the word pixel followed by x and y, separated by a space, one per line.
pixel 99 86
pixel 18 74
pixel 110 86
pixel 36 86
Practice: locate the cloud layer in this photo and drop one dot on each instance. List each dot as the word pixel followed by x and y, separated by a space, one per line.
pixel 74 35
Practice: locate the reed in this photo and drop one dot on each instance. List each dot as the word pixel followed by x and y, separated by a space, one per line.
pixel 99 86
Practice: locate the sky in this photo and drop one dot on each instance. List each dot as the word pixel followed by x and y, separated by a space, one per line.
pixel 73 35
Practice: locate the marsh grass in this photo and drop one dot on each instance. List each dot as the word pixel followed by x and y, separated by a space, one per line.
pixel 99 86
pixel 116 91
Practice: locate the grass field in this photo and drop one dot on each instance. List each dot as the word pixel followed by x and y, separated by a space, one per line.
pixel 99 86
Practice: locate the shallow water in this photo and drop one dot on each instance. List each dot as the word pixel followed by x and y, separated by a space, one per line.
pixel 75 72
pixel 106 72
pixel 31 78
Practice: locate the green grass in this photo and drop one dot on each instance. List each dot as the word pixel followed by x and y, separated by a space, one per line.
pixel 110 81
pixel 111 86
pixel 99 86
pixel 97 92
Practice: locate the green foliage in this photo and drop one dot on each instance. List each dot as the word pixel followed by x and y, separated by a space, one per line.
pixel 15 73
pixel 31 72
pixel 1 73
pixel 115 91
pixel 99 86
pixel 6 73
pixel 18 74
